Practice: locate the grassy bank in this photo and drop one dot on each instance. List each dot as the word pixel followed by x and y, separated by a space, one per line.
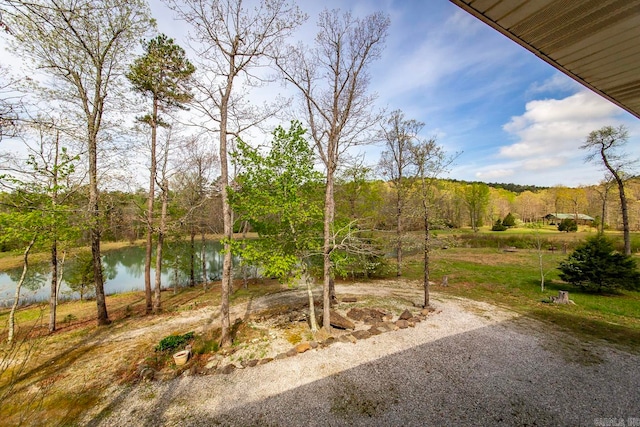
pixel 51 379
pixel 512 280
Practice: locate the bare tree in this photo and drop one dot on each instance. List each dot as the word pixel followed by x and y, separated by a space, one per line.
pixel 605 144
pixel 193 187
pixel 333 80
pixel 399 135
pixel 232 42
pixel 83 46
pixel 163 184
pixel 10 104
pixel 603 191
pixel 430 161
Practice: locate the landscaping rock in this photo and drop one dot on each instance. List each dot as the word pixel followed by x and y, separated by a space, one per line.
pixel 147 374
pixel 339 321
pixel 281 356
pixel 406 315
pixel 361 335
pixel 302 347
pixel 166 375
pixel 388 326
pixel 313 344
pixel 369 316
pixel 265 360
pixel 212 364
pixel 328 341
pixel 376 330
pixel 227 369
pixel 250 363
pixel 291 352
pixel 347 338
pixel 402 324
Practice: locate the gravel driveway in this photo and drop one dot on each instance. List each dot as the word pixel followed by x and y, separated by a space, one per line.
pixel 471 364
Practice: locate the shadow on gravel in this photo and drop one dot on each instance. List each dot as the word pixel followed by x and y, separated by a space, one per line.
pixel 497 375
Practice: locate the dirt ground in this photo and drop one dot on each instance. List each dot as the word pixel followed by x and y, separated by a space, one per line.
pixel 467 363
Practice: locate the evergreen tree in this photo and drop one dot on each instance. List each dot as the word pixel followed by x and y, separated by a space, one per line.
pixel 509 220
pixel 595 266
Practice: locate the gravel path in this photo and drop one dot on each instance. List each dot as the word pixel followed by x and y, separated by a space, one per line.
pixel 470 364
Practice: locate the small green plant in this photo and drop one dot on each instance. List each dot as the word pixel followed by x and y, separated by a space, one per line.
pixel 69 318
pixel 174 341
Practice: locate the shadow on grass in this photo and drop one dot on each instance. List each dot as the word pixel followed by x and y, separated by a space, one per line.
pixel 621 336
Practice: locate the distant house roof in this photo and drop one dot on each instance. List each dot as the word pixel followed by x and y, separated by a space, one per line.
pixel 562 216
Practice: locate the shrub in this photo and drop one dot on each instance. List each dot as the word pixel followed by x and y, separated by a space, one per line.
pixel 509 220
pixel 568 225
pixel 595 266
pixel 174 341
pixel 498 226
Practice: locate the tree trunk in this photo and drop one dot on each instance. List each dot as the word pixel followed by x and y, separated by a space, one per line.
pixel 150 200
pixel 313 324
pixel 245 281
pixel 192 256
pixel 227 263
pixel 562 298
pixel 604 212
pixel 60 276
pixel 157 302
pixel 53 295
pixel 203 256
pixel 399 232
pixel 625 217
pixel 328 223
pixel 103 316
pixel 539 248
pixel 426 251
pixel 16 298
pixel 623 202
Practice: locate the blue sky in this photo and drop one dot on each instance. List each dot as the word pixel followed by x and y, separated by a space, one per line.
pixel 514 117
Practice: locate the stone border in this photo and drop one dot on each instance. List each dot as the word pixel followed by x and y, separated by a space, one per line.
pixel 404 321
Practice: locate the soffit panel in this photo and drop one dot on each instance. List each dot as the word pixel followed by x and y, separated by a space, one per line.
pixel 596 42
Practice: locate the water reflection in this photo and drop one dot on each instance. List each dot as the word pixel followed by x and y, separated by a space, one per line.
pixel 123 271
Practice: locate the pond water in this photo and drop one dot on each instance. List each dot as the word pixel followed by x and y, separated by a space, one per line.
pixel 123 271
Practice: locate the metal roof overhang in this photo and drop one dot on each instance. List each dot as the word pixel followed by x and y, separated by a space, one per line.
pixel 596 42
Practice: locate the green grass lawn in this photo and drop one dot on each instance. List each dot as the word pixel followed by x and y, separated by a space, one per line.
pixel 512 280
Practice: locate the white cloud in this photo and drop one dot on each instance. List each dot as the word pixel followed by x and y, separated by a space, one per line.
pixel 494 174
pixel 555 126
pixel 544 163
pixel 547 137
pixel 559 82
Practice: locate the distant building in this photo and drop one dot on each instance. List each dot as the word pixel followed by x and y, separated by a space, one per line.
pixel 556 218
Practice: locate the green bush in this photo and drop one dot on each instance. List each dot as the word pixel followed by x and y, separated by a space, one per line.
pixel 498 226
pixel 509 220
pixel 567 225
pixel 174 341
pixel 596 266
